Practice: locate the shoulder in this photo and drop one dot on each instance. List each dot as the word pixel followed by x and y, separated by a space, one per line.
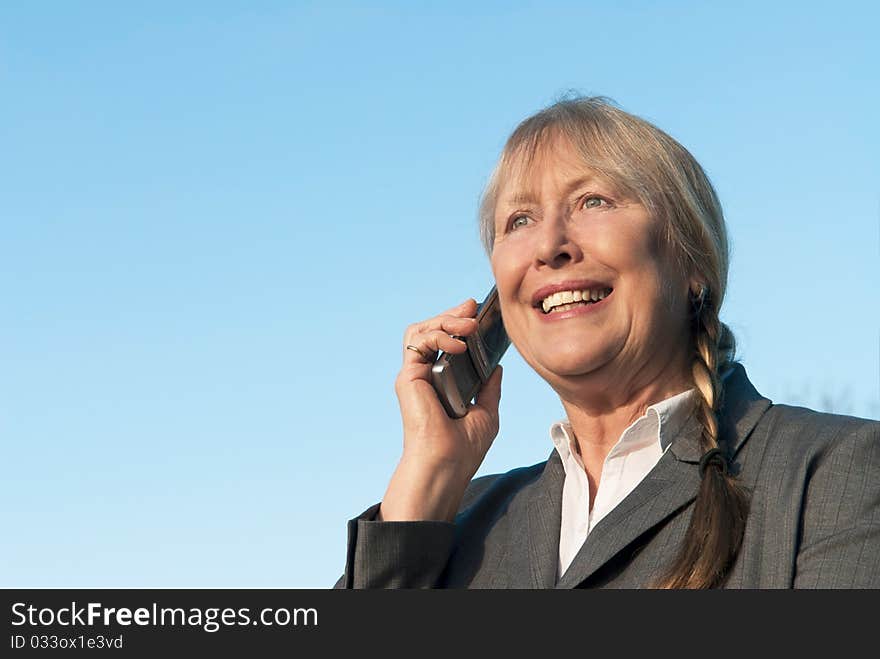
pixel 802 450
pixel 805 431
pixel 823 477
pixel 785 432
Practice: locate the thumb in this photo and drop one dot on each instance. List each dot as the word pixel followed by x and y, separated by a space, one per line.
pixel 489 395
pixel 482 417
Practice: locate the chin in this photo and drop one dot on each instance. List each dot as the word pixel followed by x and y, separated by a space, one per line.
pixel 570 363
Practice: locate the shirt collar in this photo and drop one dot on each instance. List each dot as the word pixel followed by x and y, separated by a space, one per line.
pixel 662 422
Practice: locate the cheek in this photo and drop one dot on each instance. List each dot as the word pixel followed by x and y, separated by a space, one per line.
pixel 660 297
pixel 623 247
pixel 508 267
pixel 629 246
pixel 651 282
pixel 509 270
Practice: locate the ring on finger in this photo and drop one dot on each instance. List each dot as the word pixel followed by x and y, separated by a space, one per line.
pixel 418 350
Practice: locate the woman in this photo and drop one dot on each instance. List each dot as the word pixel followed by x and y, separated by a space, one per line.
pixel 609 252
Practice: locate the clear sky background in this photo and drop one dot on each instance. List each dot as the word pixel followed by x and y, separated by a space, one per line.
pixel 219 217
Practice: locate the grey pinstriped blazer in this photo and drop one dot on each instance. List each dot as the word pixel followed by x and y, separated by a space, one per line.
pixel 814 520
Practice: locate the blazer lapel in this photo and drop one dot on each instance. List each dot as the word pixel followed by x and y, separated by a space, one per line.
pixel 672 484
pixel 533 552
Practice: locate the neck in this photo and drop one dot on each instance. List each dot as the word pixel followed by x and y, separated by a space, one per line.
pixel 602 407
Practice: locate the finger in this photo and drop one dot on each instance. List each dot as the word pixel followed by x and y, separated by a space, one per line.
pixel 466 308
pixel 428 344
pixel 423 355
pixel 489 395
pixel 451 325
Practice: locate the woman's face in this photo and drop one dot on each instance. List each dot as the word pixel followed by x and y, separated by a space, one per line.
pixel 564 235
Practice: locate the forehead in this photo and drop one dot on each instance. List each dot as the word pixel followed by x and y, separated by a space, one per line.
pixel 554 162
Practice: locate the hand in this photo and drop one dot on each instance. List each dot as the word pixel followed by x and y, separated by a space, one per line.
pixel 440 454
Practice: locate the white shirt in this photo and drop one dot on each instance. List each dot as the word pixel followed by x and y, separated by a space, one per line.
pixel 638 450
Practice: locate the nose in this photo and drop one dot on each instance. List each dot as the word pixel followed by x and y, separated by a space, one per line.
pixel 555 247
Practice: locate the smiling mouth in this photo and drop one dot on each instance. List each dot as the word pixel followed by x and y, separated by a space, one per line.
pixel 565 300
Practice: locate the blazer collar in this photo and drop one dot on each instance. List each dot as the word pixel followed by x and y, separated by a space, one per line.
pixel 668 488
pixel 741 408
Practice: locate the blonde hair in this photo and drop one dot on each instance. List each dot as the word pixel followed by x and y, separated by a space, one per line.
pixel 649 165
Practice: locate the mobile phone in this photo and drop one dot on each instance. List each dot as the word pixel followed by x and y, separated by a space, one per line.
pixel 458 377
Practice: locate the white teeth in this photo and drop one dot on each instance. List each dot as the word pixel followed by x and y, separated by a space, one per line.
pixel 564 300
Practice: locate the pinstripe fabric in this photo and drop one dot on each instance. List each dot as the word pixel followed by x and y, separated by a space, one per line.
pixel 814 520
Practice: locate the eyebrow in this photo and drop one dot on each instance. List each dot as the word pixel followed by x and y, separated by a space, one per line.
pixel 527 197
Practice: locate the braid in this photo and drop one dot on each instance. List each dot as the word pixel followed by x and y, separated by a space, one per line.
pixel 717 524
pixel 705 373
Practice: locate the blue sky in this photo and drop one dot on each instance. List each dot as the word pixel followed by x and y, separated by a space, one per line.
pixel 218 218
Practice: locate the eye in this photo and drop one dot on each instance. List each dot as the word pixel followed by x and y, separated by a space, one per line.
pixel 519 221
pixel 593 201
